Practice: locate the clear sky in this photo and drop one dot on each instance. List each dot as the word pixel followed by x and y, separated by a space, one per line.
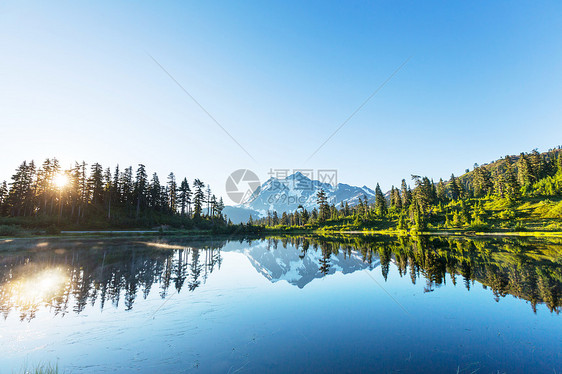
pixel 77 83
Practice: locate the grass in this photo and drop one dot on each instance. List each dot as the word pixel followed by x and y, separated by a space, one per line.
pixel 41 368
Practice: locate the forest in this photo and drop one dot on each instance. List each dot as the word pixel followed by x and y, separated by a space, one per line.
pixel 50 197
pixel 514 193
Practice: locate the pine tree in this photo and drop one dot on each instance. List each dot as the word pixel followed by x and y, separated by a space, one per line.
pixel 322 202
pixel 184 196
pixel 21 189
pixel 219 208
pixel 406 194
pixel 172 193
pixel 127 187
pixel 482 182
pixel 213 204
pixel 208 200
pixel 380 202
pixel 95 184
pixel 3 197
pixel 525 175
pixel 454 188
pixel 198 197
pixel 155 192
pixel 512 187
pixel 441 193
pixel 108 190
pixel 140 189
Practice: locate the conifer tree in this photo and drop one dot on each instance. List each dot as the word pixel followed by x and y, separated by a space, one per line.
pixel 406 194
pixel 155 193
pixel 441 193
pixel 524 171
pixel 397 199
pixel 184 196
pixel 198 197
pixel 380 202
pixel 322 202
pixel 140 189
pixel 172 193
pixel 95 184
pixel 454 188
pixel 3 196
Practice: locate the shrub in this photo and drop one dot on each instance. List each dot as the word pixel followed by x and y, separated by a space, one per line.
pixel 52 230
pixel 507 214
pixel 555 211
pixel 10 230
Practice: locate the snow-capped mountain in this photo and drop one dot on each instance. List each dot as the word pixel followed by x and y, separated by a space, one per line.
pixel 286 195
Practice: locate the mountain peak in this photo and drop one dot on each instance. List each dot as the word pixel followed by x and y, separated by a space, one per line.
pixel 297 176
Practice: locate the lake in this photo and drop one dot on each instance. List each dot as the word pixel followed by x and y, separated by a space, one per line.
pixel 282 305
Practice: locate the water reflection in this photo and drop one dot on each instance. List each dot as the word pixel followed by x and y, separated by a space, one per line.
pixel 67 276
pixel 64 276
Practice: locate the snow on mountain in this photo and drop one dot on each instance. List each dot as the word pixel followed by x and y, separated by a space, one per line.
pixel 298 268
pixel 286 195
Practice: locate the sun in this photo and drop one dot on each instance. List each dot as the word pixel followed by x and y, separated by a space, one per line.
pixel 61 180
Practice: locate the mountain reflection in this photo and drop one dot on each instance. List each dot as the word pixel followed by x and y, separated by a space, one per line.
pixel 65 276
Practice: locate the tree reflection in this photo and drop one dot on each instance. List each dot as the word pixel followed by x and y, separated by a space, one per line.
pixel 69 276
pixel 529 269
pixel 68 279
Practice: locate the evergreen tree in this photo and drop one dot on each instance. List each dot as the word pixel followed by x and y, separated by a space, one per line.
pixel 3 197
pixel 108 191
pixel 219 208
pixel 397 199
pixel 172 193
pixel 184 196
pixel 512 187
pixel 155 193
pixel 208 200
pixel 454 188
pixel 140 189
pixel 406 194
pixel 482 182
pixel 198 197
pixel 322 202
pixel 95 184
pixel 441 193
pixel 127 187
pixel 525 175
pixel 380 202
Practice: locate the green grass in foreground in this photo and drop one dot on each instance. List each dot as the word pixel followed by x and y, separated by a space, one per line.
pixel 41 368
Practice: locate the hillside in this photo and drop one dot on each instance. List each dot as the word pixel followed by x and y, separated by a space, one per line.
pixel 515 193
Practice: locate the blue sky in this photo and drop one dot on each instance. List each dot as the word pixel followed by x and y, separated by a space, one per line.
pixel 484 80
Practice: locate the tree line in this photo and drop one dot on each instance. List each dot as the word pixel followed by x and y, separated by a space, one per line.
pixel 463 201
pixel 94 195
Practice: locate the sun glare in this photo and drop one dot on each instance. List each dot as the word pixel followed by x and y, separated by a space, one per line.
pixel 37 289
pixel 61 180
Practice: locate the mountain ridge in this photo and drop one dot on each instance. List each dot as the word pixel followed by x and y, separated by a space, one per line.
pixel 286 195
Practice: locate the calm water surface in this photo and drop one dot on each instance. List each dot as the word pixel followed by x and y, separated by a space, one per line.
pixel 367 304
